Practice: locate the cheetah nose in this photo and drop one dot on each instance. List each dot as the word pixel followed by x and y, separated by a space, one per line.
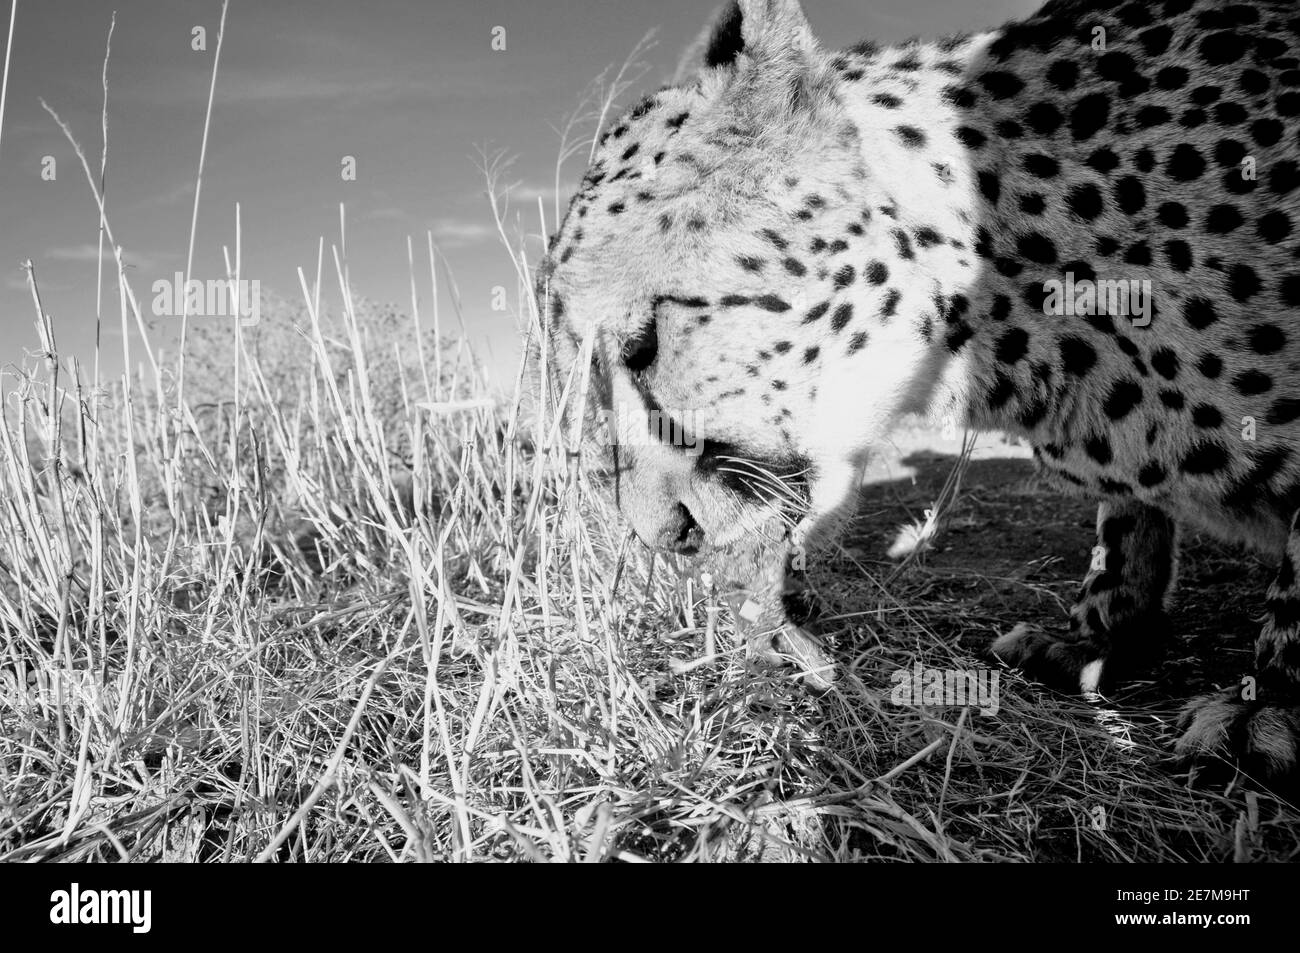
pixel 680 533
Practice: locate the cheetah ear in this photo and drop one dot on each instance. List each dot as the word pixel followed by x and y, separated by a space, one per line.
pixel 762 29
pixel 724 39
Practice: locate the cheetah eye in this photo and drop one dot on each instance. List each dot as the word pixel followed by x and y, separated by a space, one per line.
pixel 640 352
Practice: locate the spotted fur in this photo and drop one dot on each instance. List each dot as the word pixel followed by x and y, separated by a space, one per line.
pixel 798 246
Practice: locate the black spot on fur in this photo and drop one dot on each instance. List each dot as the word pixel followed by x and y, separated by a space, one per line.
pixel 1103 160
pixel 1077 356
pixel 927 237
pixel 1283 177
pixel 1204 415
pixel 910 136
pixel 1130 195
pixel 1044 118
pixel 1273 226
pixel 1012 346
pixel 1230 114
pixel 1171 77
pixel 1266 339
pixel 1252 382
pixel 1179 255
pixel 1222 219
pixel 1001 85
pixel 1041 166
pixel 1289 291
pixel 1243 283
pixel 1085 201
pixel 903 244
pixel 1149 116
pixel 1284 411
pixel 1185 163
pixel 1199 313
pixel 815 312
pixel 1165 363
pixel 1172 215
pixel 1098 448
pixel 1036 247
pixel 1033 203
pixel 1155 40
pixel 1266 132
pixel 1204 459
pixel 990 186
pixel 1123 397
pixel 1223 47
pixel 1115 66
pixel 1152 474
pixel 1063 74
pixel 1204 95
pixel 1003 390
pixel 1139 253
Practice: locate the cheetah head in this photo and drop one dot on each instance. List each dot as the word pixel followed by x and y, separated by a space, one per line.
pixel 720 258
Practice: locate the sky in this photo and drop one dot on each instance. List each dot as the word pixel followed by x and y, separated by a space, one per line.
pixel 414 92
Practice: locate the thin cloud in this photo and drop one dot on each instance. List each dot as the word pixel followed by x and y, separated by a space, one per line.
pixel 89 252
pixel 523 192
pixel 285 87
pixel 459 233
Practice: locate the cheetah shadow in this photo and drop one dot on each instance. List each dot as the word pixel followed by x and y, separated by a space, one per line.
pixel 1013 549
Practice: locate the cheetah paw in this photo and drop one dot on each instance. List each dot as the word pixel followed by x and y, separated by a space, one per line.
pixel 1059 662
pixel 779 641
pixel 1261 735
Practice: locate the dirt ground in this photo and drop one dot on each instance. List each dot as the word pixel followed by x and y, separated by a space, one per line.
pixel 1014 550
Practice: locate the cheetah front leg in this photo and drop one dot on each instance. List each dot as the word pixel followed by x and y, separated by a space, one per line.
pixel 1117 624
pixel 772 607
pixel 1258 721
pixel 772 633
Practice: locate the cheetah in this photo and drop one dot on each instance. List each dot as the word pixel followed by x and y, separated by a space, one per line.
pixel 1078 229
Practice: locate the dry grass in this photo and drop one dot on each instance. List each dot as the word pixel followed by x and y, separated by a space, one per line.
pixel 302 629
pixel 346 608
